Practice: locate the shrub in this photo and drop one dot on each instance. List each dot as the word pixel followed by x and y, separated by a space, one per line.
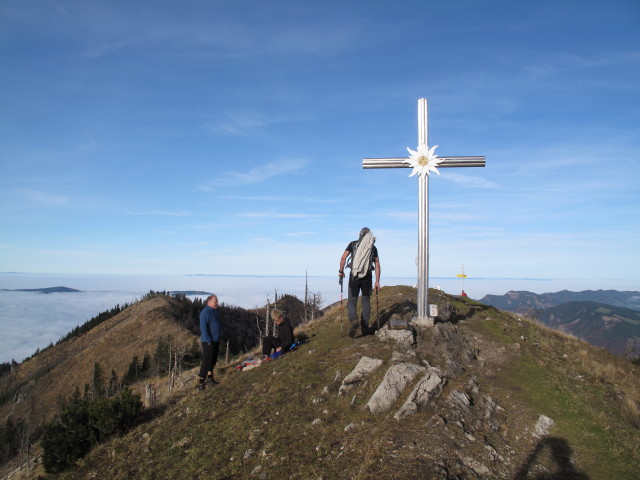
pixel 83 424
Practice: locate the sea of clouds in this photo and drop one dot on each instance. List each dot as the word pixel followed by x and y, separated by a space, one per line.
pixel 31 320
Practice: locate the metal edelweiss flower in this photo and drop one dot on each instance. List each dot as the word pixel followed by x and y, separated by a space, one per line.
pixel 424 160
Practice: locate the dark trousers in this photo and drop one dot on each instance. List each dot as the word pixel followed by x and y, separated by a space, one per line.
pixel 355 286
pixel 209 358
pixel 272 343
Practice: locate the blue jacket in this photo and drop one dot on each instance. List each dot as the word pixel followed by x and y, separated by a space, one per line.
pixel 209 325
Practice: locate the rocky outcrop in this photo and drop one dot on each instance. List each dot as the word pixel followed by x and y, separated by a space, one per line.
pixel 428 388
pixel 393 384
pixel 404 338
pixel 364 367
pixel 455 349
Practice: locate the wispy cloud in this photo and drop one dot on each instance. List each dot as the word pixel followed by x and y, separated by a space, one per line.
pixel 224 38
pixel 243 123
pixel 280 215
pixel 257 174
pixel 404 216
pixel 102 49
pixel 299 234
pixel 275 198
pixel 561 62
pixel 36 199
pixel 265 172
pixel 471 181
pixel 162 213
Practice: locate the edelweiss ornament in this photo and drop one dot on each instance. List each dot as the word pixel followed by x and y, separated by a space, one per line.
pixel 424 160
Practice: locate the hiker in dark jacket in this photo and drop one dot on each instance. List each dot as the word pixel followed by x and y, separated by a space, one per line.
pixel 364 258
pixel 210 338
pixel 284 340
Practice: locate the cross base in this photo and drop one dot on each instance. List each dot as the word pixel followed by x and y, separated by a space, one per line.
pixel 398 324
pixel 423 322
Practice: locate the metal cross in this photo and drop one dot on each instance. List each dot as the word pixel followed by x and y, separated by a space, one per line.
pixel 423 202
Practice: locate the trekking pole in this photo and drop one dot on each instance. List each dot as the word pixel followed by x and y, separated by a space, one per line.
pixel 340 281
pixel 377 311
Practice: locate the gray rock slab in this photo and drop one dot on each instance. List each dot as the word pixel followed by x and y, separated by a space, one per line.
pixel 364 367
pixel 429 387
pixel 403 337
pixel 393 384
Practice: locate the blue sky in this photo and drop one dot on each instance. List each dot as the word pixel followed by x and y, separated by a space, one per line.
pixel 226 137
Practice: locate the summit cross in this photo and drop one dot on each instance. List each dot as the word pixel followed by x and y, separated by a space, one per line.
pixel 423 161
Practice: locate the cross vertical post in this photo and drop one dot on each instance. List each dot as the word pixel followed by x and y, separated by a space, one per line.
pixel 423 217
pixel 423 161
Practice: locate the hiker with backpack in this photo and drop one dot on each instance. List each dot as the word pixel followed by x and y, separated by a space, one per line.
pixel 363 258
pixel 284 340
pixel 210 338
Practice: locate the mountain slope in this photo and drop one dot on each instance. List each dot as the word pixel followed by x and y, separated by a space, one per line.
pixel 39 384
pixel 604 318
pixel 614 328
pixel 500 374
pixel 524 302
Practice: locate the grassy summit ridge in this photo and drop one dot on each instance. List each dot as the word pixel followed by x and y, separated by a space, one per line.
pixel 285 419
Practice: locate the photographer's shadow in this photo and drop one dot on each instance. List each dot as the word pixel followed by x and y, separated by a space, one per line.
pixel 560 452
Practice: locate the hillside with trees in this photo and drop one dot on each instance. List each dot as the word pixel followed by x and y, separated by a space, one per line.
pixel 119 348
pixel 614 328
pixel 482 394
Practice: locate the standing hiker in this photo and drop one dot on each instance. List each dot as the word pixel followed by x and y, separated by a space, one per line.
pixel 284 340
pixel 363 258
pixel 210 338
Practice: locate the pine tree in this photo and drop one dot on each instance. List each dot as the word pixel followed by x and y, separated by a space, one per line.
pixel 8 441
pixel 114 384
pixel 145 368
pixel 98 381
pixel 162 355
pixel 132 372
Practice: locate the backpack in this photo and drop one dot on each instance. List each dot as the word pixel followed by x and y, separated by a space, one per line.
pixel 360 261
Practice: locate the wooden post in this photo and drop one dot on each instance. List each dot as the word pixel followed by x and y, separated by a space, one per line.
pixel 150 396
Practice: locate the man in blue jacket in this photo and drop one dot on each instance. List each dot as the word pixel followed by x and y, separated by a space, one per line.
pixel 210 338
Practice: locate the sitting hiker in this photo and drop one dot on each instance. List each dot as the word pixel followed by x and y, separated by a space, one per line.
pixel 284 340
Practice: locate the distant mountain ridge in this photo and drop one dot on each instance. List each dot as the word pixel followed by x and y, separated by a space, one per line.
pixel 524 301
pixel 605 318
pixel 44 290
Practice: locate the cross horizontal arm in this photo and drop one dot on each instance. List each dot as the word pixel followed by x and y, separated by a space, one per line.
pixel 447 162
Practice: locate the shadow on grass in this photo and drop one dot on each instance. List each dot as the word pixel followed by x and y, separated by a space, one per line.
pixel 560 454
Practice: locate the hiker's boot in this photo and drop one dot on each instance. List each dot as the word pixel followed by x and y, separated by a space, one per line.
pixel 353 329
pixel 364 327
pixel 200 385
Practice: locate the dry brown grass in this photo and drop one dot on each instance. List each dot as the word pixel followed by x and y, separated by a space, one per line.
pixel 69 365
pixel 598 366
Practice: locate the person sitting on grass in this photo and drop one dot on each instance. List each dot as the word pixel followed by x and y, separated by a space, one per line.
pixel 284 340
